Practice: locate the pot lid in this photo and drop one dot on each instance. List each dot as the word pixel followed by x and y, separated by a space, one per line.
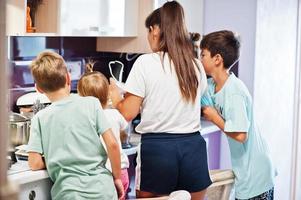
pixel 31 98
pixel 16 117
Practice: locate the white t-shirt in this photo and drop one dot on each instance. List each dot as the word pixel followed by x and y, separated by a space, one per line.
pixel 118 123
pixel 163 108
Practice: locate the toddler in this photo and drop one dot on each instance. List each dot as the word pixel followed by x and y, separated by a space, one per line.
pixel 96 84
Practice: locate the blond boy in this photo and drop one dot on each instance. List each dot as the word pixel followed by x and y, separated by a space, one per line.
pixel 67 134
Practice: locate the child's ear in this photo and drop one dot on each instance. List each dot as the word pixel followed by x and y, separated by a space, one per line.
pixel 68 79
pixel 39 89
pixel 218 59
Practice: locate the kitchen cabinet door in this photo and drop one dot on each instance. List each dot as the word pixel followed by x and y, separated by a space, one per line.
pixel 44 19
pixel 39 190
pixel 109 18
pixel 114 18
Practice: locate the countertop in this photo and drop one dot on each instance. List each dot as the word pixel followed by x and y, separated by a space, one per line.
pixel 20 172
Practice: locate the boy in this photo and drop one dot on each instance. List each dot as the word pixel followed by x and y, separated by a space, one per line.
pixel 229 106
pixel 67 134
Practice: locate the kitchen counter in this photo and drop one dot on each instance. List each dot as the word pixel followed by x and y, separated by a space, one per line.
pixel 206 128
pixel 21 174
pixel 32 184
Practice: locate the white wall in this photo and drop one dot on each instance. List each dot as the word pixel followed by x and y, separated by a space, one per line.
pixel 268 71
pixel 274 82
pixel 238 16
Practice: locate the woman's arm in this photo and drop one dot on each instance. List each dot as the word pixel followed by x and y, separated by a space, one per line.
pixel 212 115
pixel 129 107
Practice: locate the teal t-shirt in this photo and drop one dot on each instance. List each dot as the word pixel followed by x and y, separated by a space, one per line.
pixel 67 134
pixel 251 162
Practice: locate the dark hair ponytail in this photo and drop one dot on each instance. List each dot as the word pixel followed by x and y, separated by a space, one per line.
pixel 175 40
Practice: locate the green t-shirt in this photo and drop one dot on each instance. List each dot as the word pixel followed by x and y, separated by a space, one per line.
pixel 251 160
pixel 67 134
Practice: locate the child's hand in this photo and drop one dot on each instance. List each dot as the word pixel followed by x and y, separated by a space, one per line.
pixel 210 113
pixel 119 188
pixel 114 93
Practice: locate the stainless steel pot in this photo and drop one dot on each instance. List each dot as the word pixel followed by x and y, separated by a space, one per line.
pixel 19 129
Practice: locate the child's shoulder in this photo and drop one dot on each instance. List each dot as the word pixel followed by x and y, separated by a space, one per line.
pixel 85 99
pixel 237 83
pixel 113 112
pixel 237 86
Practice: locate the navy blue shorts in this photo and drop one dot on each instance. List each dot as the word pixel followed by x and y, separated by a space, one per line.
pixel 168 162
pixel 268 195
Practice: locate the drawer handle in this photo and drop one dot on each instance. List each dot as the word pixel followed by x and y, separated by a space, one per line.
pixel 32 195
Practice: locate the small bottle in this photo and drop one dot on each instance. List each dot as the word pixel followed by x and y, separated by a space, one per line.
pixel 29 28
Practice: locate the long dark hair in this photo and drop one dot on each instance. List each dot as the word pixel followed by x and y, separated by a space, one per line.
pixel 174 40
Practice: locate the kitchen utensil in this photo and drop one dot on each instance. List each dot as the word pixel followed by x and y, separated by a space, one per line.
pixel 19 129
pixel 116 71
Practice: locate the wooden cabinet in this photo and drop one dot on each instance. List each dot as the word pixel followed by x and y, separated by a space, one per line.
pixel 109 18
pixel 138 44
pixel 45 21
pixel 114 18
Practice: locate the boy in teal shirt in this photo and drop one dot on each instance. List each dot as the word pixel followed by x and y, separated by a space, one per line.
pixel 67 134
pixel 228 104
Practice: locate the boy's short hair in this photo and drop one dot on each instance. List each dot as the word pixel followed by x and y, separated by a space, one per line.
pixel 49 71
pixel 224 43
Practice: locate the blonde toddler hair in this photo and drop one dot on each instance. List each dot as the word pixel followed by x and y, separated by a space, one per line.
pixel 94 84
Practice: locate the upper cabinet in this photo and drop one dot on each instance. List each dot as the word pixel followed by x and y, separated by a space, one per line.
pixel 31 17
pixel 98 18
pixel 138 44
pixel 193 15
pixel 109 18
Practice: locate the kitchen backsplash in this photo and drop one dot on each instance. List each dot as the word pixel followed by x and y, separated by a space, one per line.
pixel 77 51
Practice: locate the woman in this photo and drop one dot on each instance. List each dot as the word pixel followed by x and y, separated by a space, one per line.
pixel 165 87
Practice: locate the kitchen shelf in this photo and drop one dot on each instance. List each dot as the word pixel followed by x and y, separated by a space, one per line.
pixel 45 18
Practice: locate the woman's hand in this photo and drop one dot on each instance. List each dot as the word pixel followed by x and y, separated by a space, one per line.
pixel 114 93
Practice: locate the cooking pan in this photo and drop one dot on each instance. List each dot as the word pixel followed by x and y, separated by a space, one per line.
pixel 19 129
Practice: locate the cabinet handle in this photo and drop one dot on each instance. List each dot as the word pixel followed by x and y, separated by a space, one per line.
pixel 93 28
pixel 32 195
